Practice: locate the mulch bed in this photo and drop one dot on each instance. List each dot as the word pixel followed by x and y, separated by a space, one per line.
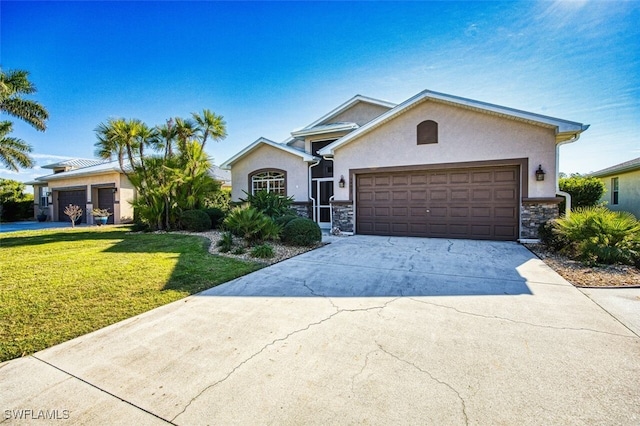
pixel 581 275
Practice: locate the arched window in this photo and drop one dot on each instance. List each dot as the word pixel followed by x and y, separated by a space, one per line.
pixel 427 132
pixel 268 180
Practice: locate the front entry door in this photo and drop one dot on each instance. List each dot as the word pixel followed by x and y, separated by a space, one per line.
pixel 322 191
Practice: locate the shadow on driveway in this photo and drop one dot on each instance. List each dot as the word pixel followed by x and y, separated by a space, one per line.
pixel 368 266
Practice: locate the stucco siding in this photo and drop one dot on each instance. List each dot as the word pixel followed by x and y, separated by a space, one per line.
pixel 266 157
pixel 628 192
pixel 464 136
pixel 361 113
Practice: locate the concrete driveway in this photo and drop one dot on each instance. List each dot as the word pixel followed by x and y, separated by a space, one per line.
pixel 365 330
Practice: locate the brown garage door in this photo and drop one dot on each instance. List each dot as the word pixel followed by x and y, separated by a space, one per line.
pixel 106 201
pixel 475 203
pixel 75 197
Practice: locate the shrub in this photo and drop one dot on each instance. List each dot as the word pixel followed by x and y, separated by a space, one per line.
pixel 263 251
pixel 269 203
pixel 251 225
pixel 551 237
pixel 220 199
pixel 195 220
pixel 239 250
pixel 585 191
pixel 599 235
pixel 11 210
pixel 75 214
pixel 226 242
pixel 283 220
pixel 216 215
pixel 301 232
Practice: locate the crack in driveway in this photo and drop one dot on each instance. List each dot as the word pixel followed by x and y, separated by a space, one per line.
pixel 517 321
pixel 435 379
pixel 278 340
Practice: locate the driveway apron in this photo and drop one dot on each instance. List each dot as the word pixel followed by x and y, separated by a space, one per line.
pixel 364 330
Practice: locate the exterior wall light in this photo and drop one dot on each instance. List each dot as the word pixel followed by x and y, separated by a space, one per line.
pixel 341 182
pixel 540 173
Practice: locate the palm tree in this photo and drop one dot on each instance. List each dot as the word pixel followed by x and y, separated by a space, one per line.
pixel 14 84
pixel 120 137
pixel 13 151
pixel 210 124
pixel 185 131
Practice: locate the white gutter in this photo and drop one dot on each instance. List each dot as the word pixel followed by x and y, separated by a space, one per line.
pixel 566 195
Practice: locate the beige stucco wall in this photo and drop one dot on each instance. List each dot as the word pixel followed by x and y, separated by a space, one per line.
pixel 360 113
pixel 266 156
pixel 464 135
pixel 628 192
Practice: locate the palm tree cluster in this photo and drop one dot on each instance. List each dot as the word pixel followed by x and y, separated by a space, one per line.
pixel 166 164
pixel 14 152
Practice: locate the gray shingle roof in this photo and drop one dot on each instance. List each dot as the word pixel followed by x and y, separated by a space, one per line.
pixel 618 168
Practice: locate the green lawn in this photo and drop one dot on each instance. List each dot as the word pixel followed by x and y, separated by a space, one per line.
pixel 59 284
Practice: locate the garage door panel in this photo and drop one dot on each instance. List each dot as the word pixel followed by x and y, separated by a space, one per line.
pixel 400 195
pixel 458 195
pixel 438 179
pixel 481 212
pixel 400 180
pixel 459 177
pixel 481 177
pixel 505 213
pixel 382 181
pixel 481 203
pixel 399 212
pixel 459 212
pixel 506 176
pixel 382 212
pixel 420 195
pixel 505 194
pixel 365 181
pixel 436 195
pixel 382 196
pixel 438 212
pixel 418 179
pixel 481 194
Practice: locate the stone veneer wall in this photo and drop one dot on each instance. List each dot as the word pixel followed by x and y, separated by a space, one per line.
pixel 302 209
pixel 342 215
pixel 534 214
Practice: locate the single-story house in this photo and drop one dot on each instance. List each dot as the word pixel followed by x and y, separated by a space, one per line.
pixel 622 183
pixel 435 165
pixel 91 184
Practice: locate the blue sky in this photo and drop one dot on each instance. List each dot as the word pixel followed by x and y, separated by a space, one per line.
pixel 271 67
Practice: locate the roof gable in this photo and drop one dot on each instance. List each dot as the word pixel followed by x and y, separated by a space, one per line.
pixel 336 115
pixel 565 130
pixel 264 141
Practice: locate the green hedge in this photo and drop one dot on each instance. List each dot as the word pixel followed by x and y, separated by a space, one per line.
pixel 301 232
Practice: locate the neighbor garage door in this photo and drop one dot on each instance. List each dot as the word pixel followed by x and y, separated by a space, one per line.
pixel 474 203
pixel 75 197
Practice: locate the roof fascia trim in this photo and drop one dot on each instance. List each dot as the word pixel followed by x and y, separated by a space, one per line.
pixel 570 128
pixel 229 163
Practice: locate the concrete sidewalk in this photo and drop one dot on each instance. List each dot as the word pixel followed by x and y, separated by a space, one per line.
pixel 364 330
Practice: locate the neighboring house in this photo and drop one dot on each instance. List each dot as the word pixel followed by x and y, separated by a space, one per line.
pixel 622 183
pixel 88 184
pixel 435 165
pixel 92 184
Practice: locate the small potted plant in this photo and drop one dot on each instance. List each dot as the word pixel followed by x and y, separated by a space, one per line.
pixel 42 215
pixel 101 216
